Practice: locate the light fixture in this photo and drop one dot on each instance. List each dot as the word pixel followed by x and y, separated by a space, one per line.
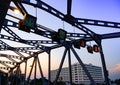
pixel 14 9
pixel 58 36
pixel 96 48
pixel 54 37
pixel 62 34
pixel 90 49
pixel 82 43
pixel 29 22
pixel 76 44
pixel 17 11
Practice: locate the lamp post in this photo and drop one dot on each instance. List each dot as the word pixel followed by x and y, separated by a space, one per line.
pixel 14 9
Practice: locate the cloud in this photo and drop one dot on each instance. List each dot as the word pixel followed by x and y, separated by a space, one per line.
pixel 115 69
pixel 114 72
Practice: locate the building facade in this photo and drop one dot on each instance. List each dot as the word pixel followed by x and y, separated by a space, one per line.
pixel 78 74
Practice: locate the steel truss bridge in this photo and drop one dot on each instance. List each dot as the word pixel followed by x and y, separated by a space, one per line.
pixel 12 67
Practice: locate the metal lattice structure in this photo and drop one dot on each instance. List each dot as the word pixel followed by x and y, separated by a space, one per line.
pixel 13 66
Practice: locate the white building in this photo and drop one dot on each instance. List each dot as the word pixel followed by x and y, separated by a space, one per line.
pixel 78 74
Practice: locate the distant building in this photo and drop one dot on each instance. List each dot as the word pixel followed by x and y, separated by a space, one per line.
pixel 78 74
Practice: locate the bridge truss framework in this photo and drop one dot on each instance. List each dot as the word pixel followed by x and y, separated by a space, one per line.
pixel 6 23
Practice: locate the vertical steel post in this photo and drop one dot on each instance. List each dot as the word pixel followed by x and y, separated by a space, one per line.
pixel 83 66
pixel 69 63
pixel 25 71
pixel 17 75
pixel 69 6
pixel 7 78
pixel 104 66
pixel 36 57
pixel 49 68
pixel 60 67
pixel 11 77
pixel 0 77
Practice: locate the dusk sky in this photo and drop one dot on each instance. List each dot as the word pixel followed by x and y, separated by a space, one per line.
pixel 108 10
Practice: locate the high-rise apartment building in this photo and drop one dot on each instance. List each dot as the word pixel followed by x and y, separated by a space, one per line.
pixel 78 74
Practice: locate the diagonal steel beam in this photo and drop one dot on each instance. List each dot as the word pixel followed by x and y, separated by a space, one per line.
pixel 60 67
pixel 11 32
pixel 20 6
pixel 23 41
pixel 5 46
pixel 4 5
pixel 83 66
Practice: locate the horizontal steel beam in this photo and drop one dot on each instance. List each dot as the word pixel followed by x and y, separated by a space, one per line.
pixel 11 56
pixel 8 62
pixel 97 22
pixel 5 68
pixel 110 35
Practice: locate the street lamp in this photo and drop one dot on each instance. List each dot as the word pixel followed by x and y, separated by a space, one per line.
pixel 90 49
pixel 60 35
pixel 96 48
pixel 14 9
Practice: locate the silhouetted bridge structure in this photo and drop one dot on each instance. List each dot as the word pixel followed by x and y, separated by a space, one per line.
pixel 55 39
